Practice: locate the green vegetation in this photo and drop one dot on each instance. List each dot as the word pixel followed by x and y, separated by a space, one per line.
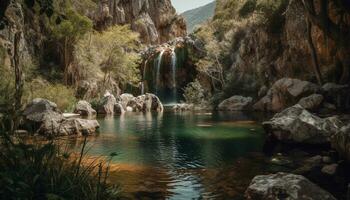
pixel 198 16
pixel 194 93
pixel 109 55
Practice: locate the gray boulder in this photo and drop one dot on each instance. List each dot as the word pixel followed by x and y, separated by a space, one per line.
pixel 236 103
pixel 37 109
pixel 124 99
pixel 84 109
pixel 107 103
pixel 295 124
pixel 78 127
pixel 285 186
pixel 284 93
pixel 152 103
pixel 341 142
pixel 312 102
pixel 42 116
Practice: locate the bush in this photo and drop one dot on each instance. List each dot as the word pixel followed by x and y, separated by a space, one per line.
pixel 194 93
pixel 63 96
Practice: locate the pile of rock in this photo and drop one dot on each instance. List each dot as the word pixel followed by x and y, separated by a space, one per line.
pixel 42 116
pixel 110 105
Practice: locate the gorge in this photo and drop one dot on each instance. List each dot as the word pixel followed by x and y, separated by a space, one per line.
pixel 125 99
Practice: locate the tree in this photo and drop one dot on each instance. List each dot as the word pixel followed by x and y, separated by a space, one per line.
pixel 110 55
pixel 72 27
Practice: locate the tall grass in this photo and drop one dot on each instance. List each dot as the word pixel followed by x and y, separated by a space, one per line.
pixel 44 171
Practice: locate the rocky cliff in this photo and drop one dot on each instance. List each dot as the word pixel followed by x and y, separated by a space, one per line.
pixel 156 21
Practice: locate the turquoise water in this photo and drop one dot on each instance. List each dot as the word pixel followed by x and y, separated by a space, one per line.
pixel 182 156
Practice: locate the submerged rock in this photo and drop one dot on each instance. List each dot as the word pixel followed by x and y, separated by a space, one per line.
pixel 341 142
pixel 284 93
pixel 285 186
pixel 236 103
pixel 84 109
pixel 183 107
pixel 295 124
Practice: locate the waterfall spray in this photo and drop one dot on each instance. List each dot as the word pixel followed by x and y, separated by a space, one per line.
pixel 159 63
pixel 173 67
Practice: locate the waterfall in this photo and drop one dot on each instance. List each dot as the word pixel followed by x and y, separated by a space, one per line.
pixel 144 78
pixel 173 67
pixel 159 63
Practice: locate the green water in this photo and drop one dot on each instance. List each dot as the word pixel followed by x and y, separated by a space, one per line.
pixel 182 156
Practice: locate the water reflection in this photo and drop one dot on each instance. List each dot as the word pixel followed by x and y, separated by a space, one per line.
pixel 181 156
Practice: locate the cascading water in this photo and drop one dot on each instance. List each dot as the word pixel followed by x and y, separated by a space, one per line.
pixel 159 63
pixel 144 77
pixel 173 69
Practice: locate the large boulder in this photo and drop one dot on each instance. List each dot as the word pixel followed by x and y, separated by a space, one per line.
pixel 78 127
pixel 124 99
pixel 37 109
pixel 312 102
pixel 284 93
pixel 295 124
pixel 106 105
pixel 84 109
pixel 236 103
pixel 152 103
pixel 285 186
pixel 341 142
pixel 42 116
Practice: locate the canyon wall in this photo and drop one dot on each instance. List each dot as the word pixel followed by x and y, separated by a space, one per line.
pixel 155 20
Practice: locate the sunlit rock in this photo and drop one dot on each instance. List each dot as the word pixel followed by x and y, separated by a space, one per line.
pixel 285 186
pixel 295 124
pixel 84 109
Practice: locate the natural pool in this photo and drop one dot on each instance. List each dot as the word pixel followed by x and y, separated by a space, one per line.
pixel 182 155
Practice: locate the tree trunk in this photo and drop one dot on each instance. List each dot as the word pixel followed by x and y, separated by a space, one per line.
pixel 313 52
pixel 18 82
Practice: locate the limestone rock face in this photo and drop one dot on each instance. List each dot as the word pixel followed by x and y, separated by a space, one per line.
pixel 284 93
pixel 295 124
pixel 236 103
pixel 285 186
pixel 341 142
pixel 155 20
pixel 84 109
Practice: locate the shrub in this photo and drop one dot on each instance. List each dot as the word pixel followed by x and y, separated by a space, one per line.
pixel 63 96
pixel 194 93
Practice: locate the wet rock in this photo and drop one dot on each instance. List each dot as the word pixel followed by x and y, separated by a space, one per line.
pixel 84 108
pixel 78 127
pixel 106 105
pixel 124 99
pixel 118 109
pixel 341 142
pixel 183 107
pixel 284 93
pixel 285 186
pixel 330 169
pixel 312 102
pixel 295 124
pixel 236 103
pixel 152 103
